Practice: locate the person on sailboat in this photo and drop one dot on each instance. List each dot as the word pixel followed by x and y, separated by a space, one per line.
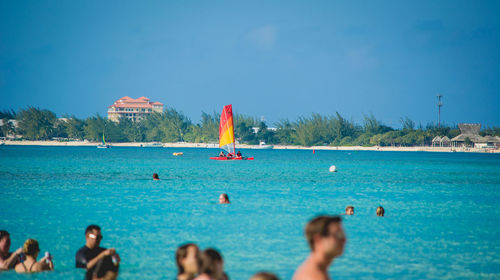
pixel 238 154
pixel 221 154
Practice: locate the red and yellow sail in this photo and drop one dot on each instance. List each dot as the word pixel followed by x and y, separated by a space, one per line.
pixel 226 129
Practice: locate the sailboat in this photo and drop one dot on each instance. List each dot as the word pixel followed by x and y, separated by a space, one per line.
pixel 103 145
pixel 226 136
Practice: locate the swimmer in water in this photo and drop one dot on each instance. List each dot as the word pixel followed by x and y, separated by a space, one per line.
pixel 349 210
pixel 380 211
pixel 155 177
pixel 30 265
pixel 224 198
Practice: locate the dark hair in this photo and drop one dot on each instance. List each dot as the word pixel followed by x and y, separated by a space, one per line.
pixel 349 207
pixel 91 228
pixel 30 247
pixel 264 276
pixel 155 176
pixel 3 233
pixel 181 253
pixel 225 196
pixel 319 225
pixel 209 257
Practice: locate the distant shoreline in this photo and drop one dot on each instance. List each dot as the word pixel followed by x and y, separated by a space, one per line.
pixel 245 146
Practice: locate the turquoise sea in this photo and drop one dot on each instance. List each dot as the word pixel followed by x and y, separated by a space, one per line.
pixel 442 209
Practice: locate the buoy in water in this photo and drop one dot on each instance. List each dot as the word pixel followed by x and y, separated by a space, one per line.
pixel 333 168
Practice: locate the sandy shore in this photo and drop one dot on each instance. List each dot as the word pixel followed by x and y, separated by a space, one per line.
pixel 244 146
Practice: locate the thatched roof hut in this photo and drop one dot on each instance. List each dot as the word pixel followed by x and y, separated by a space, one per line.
pixel 436 140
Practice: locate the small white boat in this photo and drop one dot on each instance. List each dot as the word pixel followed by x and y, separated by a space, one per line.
pixel 103 145
pixel 263 145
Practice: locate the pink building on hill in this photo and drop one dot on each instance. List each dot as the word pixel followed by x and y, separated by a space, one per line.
pixel 134 109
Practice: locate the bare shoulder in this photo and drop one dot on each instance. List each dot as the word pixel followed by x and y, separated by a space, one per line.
pixel 19 267
pixel 307 271
pixel 39 266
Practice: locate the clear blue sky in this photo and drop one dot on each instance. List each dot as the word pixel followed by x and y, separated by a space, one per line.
pixel 277 59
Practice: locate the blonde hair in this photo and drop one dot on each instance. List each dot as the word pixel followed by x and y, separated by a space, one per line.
pixel 31 247
pixel 380 211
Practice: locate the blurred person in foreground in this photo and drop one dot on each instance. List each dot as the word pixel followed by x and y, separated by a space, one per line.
pixel 101 263
pixel 8 260
pixel 212 266
pixel 31 250
pixel 188 261
pixel 326 238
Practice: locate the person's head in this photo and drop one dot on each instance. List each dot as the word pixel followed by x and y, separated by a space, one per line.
pixel 93 236
pixel 31 248
pixel 4 241
pixel 264 276
pixel 188 259
pixel 212 263
pixel 325 234
pixel 349 210
pixel 380 211
pixel 223 198
pixel 155 176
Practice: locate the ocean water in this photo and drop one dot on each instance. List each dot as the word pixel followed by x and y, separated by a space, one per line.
pixel 442 209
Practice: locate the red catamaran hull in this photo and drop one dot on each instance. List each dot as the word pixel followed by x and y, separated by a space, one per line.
pixel 232 158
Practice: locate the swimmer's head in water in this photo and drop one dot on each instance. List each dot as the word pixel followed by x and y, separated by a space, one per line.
pixel 155 176
pixel 380 211
pixel 30 247
pixel 349 210
pixel 223 198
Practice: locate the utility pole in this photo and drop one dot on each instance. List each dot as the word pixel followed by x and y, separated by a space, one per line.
pixel 440 104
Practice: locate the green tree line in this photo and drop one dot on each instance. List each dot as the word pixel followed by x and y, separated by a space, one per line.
pixel 173 126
